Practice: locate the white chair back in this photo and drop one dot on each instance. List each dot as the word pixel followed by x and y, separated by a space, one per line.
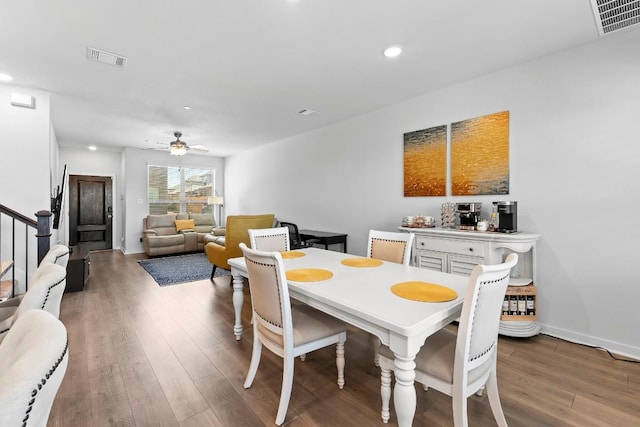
pixel 269 296
pixel 477 339
pixel 58 254
pixel 46 292
pixel 33 361
pixel 390 246
pixel 269 239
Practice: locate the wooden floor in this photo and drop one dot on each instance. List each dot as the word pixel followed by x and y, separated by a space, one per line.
pixel 142 355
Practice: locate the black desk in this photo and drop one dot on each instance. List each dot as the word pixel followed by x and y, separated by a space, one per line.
pixel 325 238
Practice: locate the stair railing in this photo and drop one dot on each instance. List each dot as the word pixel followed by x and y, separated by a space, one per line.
pixel 42 226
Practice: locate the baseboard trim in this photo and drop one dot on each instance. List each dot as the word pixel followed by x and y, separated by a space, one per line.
pixel 612 346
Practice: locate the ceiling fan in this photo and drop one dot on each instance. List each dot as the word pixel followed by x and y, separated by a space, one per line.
pixel 180 148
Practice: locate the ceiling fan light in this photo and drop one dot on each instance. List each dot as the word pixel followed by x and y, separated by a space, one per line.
pixel 178 150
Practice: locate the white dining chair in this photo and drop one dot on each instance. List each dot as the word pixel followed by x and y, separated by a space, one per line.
pixel 392 247
pixel 286 330
pixel 459 365
pixel 269 239
pixel 33 361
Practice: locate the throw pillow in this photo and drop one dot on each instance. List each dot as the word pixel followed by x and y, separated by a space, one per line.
pixel 185 224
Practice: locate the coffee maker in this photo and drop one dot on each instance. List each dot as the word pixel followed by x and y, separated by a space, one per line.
pixel 469 214
pixel 507 216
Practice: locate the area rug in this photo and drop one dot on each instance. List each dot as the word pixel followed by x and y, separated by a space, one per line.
pixel 171 270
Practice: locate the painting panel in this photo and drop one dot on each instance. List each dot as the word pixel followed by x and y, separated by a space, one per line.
pixel 425 162
pixel 480 155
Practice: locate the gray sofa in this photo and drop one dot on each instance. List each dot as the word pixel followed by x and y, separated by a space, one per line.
pixel 160 236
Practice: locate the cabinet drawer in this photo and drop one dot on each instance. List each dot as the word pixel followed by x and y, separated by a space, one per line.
pixel 461 247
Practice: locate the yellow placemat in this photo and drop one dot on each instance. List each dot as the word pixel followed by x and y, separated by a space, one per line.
pixel 362 262
pixel 292 254
pixel 308 275
pixel 424 292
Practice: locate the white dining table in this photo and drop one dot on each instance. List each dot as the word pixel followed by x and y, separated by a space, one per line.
pixel 362 297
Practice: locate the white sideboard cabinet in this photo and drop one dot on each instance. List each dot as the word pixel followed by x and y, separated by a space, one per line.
pixel 458 251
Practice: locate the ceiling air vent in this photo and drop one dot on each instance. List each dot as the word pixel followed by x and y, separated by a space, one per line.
pixel 307 112
pixel 614 15
pixel 106 57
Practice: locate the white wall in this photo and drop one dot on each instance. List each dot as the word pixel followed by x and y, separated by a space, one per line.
pixel 25 142
pixel 25 172
pixel 56 179
pixel 134 196
pixel 575 169
pixel 95 163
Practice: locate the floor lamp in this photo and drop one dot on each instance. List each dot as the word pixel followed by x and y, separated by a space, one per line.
pixel 217 201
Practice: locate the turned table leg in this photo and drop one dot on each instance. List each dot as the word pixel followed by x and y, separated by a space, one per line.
pixel 404 393
pixel 238 300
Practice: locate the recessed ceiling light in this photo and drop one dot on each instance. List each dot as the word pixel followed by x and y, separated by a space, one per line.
pixel 5 77
pixel 186 107
pixel 93 148
pixel 392 51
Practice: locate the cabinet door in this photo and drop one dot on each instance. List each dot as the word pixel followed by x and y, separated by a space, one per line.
pixel 432 260
pixel 462 265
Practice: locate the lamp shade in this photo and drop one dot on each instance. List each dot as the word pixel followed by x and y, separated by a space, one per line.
pixel 216 200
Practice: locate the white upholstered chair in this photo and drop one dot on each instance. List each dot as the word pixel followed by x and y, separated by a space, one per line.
pixel 392 247
pixel 461 364
pixel 44 293
pixel 58 254
pixel 33 361
pixel 286 330
pixel 269 239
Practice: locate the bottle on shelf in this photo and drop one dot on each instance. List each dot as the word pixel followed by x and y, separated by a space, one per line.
pixel 513 305
pixel 531 309
pixel 522 305
pixel 493 219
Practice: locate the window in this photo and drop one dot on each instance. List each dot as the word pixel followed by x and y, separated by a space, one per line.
pixel 173 189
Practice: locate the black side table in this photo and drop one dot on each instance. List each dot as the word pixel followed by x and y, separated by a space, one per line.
pixel 77 269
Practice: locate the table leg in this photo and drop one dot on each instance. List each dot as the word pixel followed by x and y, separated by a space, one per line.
pixel 404 393
pixel 238 300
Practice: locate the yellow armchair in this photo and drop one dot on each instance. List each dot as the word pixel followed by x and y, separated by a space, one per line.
pixel 236 233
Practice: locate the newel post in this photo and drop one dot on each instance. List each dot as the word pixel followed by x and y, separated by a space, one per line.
pixel 44 233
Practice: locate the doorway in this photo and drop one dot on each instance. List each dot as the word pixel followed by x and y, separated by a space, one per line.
pixel 90 212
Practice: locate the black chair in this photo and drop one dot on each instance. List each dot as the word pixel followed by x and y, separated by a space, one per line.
pixel 295 241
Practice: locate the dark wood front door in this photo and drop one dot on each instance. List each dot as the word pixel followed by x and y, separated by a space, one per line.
pixel 90 211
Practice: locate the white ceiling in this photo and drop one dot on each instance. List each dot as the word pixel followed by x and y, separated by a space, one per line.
pixel 246 67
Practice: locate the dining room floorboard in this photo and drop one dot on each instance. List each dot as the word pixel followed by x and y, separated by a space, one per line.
pixel 145 355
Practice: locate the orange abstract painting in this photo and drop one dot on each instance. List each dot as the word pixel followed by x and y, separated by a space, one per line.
pixel 480 155
pixel 425 162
